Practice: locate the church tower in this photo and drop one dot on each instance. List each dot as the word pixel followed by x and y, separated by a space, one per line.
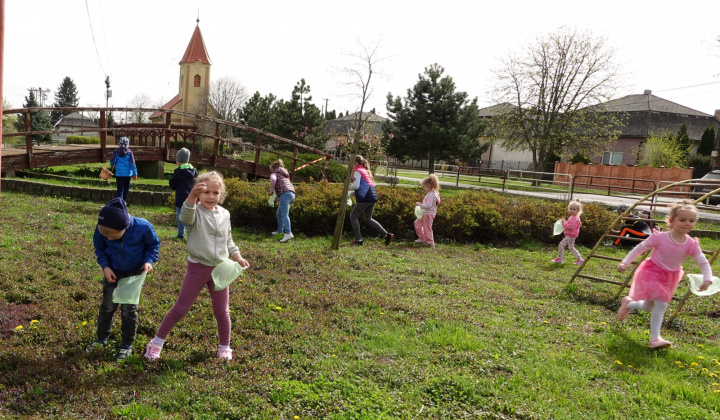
pixel 194 80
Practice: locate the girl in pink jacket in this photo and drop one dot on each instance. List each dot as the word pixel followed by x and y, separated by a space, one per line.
pixel 572 230
pixel 423 225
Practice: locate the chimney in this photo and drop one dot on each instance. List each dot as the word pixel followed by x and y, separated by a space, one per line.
pixel 647 92
pixel 717 114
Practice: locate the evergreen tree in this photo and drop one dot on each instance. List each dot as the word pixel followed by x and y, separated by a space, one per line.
pixel 39 121
pixel 683 143
pixel 66 96
pixel 299 119
pixel 434 122
pixel 330 115
pixel 707 142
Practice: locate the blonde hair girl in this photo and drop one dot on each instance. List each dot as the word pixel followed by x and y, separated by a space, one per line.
pixel 423 225
pixel 572 230
pixel 656 278
pixel 209 243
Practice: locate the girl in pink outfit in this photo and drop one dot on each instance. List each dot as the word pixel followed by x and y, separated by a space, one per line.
pixel 423 226
pixel 572 230
pixel 656 279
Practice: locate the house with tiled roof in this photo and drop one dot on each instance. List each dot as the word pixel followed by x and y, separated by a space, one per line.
pixel 341 129
pixel 75 121
pixel 645 115
pixel 649 115
pixel 194 80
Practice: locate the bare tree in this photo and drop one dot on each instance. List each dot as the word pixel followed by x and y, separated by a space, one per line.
pixel 139 101
pixel 551 95
pixel 222 100
pixel 360 75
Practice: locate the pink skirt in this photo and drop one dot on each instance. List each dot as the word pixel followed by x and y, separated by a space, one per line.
pixel 654 282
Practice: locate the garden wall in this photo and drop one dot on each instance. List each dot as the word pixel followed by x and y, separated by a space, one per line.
pixel 149 198
pixel 620 177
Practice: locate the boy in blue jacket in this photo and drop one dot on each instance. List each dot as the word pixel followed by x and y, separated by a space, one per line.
pixel 182 181
pixel 124 246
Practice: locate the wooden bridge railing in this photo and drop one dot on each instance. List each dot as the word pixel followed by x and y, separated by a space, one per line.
pixel 163 135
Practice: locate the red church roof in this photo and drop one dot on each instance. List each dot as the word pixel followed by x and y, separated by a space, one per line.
pixel 174 101
pixel 196 50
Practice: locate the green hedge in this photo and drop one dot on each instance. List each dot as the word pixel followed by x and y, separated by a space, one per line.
pixel 82 140
pixel 467 216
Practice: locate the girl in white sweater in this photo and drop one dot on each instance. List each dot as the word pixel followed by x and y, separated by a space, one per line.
pixel 423 226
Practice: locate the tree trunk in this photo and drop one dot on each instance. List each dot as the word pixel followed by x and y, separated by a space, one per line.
pixel 431 163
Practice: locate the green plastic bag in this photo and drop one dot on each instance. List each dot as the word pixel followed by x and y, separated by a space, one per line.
pixel 225 273
pixel 271 200
pixel 128 289
pixel 419 212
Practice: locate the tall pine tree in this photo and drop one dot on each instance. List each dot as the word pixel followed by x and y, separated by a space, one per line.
pixel 39 121
pixel 707 142
pixel 66 96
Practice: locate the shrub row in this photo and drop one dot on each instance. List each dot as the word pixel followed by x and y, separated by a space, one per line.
pixel 82 140
pixel 467 216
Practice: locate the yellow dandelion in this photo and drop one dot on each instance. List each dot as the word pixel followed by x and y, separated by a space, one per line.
pixel 693 369
pixel 34 321
pixel 19 327
pixel 629 366
pixel 84 323
pixel 716 391
pixel 712 375
pixel 693 364
pixel 569 328
pixel 714 384
pixel 545 322
pixel 701 357
pixel 704 370
pixel 618 362
pixel 296 417
pixel 594 310
pixel 677 362
pixel 701 345
pixel 597 345
pixel 604 323
pixel 468 336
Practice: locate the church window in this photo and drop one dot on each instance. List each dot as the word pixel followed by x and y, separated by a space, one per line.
pixel 197 80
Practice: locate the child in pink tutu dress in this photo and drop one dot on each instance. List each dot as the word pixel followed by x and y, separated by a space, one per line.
pixel 656 279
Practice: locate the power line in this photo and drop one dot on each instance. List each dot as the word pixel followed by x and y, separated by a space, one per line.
pixel 93 38
pixel 688 87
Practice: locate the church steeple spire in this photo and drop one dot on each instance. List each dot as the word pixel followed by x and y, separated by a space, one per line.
pixel 196 50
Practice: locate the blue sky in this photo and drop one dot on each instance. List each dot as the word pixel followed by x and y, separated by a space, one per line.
pixel 663 45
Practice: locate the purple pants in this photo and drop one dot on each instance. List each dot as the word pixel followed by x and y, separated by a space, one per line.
pixel 197 277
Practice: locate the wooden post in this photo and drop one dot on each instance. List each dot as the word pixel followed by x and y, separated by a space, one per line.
pixel 28 140
pixel 2 54
pixel 216 143
pixel 167 135
pixel 103 135
pixel 257 155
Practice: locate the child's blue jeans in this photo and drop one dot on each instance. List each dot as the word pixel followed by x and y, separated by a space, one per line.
pixel 181 227
pixel 283 211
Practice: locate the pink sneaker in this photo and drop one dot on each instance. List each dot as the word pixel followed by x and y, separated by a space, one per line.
pixel 153 351
pixel 624 311
pixel 579 262
pixel 558 260
pixel 659 343
pixel 225 354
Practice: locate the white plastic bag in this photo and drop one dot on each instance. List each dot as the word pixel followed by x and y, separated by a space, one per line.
pixel 419 212
pixel 225 273
pixel 128 289
pixel 558 227
pixel 349 202
pixel 271 200
pixel 696 281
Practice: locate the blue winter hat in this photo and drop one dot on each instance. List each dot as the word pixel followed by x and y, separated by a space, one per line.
pixel 114 215
pixel 124 141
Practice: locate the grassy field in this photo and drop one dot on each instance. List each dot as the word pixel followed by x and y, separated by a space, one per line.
pixel 398 332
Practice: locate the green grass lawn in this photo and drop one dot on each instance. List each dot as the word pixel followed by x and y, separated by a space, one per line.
pixel 461 331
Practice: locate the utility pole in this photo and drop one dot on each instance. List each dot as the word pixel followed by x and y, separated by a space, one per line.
pixel 326 101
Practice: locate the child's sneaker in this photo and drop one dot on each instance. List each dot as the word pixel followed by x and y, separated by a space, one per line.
pixel 389 238
pixel 274 233
pixel 431 245
pixel 123 354
pixel 419 241
pixel 558 260
pixel 659 343
pixel 97 344
pixel 225 354
pixel 153 351
pixel 579 262
pixel 355 242
pixel 287 237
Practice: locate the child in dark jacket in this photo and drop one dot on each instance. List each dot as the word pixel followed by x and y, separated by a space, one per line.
pixel 125 246
pixel 182 182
